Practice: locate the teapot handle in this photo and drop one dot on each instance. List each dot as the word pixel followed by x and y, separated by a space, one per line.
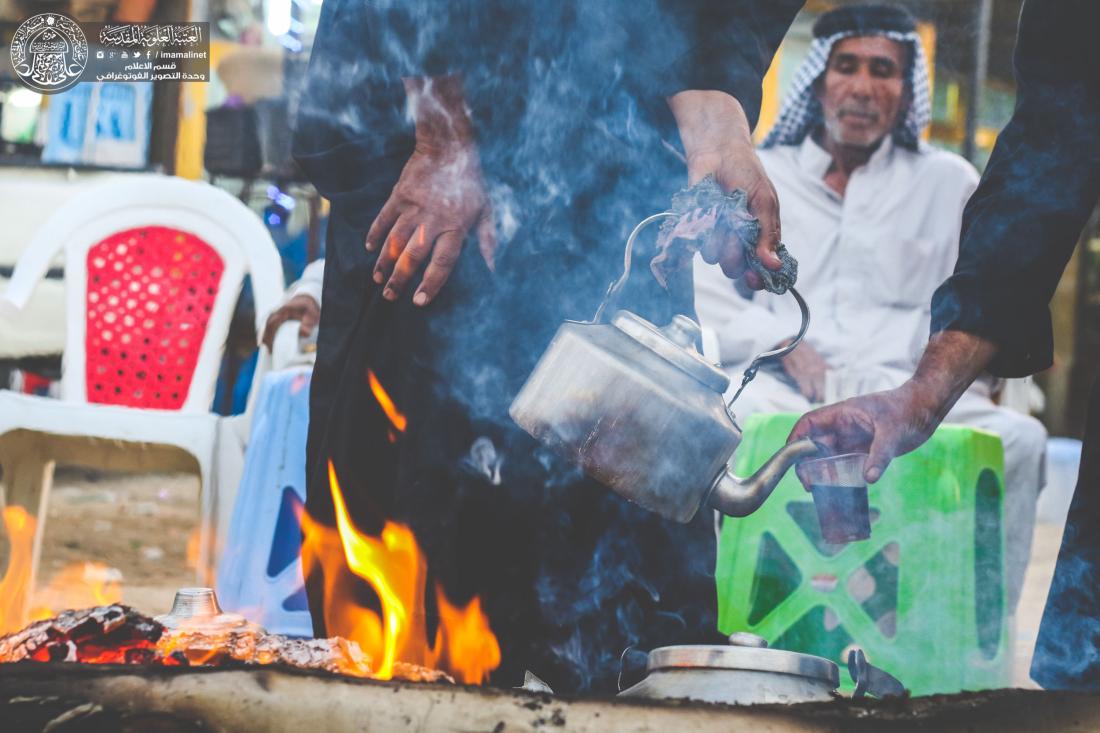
pixel 782 351
pixel 750 373
pixel 616 286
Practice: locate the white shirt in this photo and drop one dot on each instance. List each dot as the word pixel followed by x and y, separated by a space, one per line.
pixel 311 282
pixel 868 262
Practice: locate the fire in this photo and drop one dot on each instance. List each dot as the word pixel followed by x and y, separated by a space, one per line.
pixel 396 418
pixel 79 585
pixel 395 567
pixel 13 587
pixel 192 552
pixel 471 650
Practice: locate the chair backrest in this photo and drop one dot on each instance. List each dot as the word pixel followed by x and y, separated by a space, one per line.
pixel 153 269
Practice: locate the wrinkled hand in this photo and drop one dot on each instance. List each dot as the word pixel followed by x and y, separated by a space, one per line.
pixel 883 424
pixel 438 199
pixel 807 368
pixel 302 308
pixel 738 166
pixel 717 140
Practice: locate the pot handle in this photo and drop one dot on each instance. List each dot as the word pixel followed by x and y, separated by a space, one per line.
pixel 617 286
pixel 870 680
pixel 754 367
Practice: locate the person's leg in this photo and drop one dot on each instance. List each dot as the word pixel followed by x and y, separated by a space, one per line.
pixel 1024 439
pixel 474 528
pixel 345 292
pixel 1066 654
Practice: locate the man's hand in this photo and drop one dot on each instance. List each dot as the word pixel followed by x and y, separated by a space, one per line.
pixel 438 199
pixel 883 424
pixel 887 424
pixel 717 140
pixel 302 308
pixel 807 368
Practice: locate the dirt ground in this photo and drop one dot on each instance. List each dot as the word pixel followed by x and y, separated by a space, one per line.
pixel 137 525
pixel 140 527
pixel 1044 551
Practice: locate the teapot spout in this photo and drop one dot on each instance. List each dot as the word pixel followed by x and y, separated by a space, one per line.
pixel 737 497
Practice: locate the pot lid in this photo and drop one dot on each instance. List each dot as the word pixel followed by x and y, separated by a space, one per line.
pixel 675 343
pixel 745 652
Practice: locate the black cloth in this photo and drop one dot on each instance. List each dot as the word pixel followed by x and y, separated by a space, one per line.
pixel 1066 651
pixel 572 131
pixel 1042 182
pixel 1019 230
pixel 869 19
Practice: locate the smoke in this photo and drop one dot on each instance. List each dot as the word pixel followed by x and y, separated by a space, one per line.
pixel 576 146
pixel 1067 651
pixel 484 460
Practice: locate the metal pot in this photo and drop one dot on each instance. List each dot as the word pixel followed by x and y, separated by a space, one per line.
pixel 642 412
pixel 744 673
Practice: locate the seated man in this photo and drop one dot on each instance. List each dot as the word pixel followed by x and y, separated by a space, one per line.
pixel 301 302
pixel 873 215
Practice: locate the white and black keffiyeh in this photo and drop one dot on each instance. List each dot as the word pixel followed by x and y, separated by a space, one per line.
pixel 801 113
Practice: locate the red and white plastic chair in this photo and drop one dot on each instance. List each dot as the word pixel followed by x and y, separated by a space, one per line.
pixel 153 269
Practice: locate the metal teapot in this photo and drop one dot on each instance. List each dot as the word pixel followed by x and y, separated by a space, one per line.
pixel 643 413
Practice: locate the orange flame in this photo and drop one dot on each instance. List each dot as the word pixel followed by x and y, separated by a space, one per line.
pixel 13 587
pixel 192 553
pixel 79 585
pixel 395 567
pixel 470 649
pixel 396 418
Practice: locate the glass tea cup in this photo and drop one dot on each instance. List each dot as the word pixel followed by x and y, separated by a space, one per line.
pixel 840 496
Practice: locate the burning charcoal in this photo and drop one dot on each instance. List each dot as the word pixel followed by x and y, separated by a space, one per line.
pixel 105 634
pixel 198 634
pixel 416 673
pixel 248 644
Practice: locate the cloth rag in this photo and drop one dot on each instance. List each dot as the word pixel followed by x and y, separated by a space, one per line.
pixel 706 213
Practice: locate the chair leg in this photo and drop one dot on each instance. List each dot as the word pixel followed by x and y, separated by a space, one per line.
pixel 219 490
pixel 204 568
pixel 28 477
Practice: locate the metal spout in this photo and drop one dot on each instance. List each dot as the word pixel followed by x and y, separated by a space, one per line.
pixel 737 497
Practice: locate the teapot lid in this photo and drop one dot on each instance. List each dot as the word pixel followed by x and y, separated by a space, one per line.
pixel 745 652
pixel 675 343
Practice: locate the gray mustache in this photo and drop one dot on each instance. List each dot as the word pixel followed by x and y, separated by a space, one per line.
pixel 858 111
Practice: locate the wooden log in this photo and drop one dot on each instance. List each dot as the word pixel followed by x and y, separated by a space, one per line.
pixel 71 697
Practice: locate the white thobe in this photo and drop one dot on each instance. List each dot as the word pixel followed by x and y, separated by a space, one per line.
pixel 311 283
pixel 868 263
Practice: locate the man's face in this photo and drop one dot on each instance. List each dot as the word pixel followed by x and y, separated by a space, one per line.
pixel 862 91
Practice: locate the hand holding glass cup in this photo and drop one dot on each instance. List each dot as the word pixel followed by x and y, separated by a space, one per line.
pixel 840 496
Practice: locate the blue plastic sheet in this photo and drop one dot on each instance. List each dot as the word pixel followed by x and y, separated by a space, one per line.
pixel 260 573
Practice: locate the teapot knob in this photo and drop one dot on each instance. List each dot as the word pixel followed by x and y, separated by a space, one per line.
pixel 744 638
pixel 683 331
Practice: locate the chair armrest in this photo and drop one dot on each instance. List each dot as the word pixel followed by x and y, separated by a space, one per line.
pixel 286 350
